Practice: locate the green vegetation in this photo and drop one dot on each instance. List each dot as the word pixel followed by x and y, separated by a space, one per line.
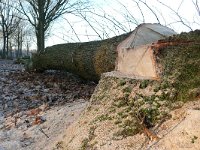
pixel 85 145
pixel 122 82
pixel 194 139
pixel 144 84
pixel 151 101
pixel 181 64
pixel 24 60
pixel 86 141
pixel 60 145
pixel 127 89
pixel 103 117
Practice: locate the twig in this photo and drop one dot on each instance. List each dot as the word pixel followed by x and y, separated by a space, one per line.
pixel 44 133
pixel 16 121
pixel 150 134
pixel 170 130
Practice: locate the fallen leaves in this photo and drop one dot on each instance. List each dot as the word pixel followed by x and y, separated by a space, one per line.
pixel 26 96
pixel 32 101
pixel 34 112
pixel 38 120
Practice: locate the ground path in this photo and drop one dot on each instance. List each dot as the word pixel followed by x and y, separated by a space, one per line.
pixel 35 109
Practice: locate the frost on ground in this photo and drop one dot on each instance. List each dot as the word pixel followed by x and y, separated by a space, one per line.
pixel 35 109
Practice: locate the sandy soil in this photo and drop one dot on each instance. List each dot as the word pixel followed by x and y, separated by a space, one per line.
pixel 40 136
pixel 181 132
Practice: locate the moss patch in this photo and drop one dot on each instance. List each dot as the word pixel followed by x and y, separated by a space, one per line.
pixel 151 101
pixel 181 64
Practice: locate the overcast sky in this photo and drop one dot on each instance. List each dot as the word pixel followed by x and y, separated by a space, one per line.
pixel 128 14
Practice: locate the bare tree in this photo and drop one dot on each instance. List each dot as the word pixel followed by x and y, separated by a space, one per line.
pixel 22 38
pixel 99 23
pixel 28 39
pixel 142 11
pixel 196 4
pixel 42 13
pixel 181 18
pixel 19 41
pixel 9 23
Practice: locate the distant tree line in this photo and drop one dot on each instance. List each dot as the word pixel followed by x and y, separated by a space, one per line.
pixel 14 30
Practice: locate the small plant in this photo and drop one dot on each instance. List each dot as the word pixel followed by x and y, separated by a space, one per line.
pixel 126 131
pixel 194 93
pixel 85 145
pixel 112 109
pixel 121 103
pixel 164 96
pixel 131 102
pixel 128 109
pixel 122 82
pixel 144 84
pixel 89 108
pixel 127 89
pixel 122 115
pixel 118 121
pixel 129 122
pixel 126 96
pixel 194 139
pixel 156 88
pixel 103 118
pixel 150 116
pixel 132 81
pixel 60 145
pixel 96 109
pixel 91 132
pixel 164 85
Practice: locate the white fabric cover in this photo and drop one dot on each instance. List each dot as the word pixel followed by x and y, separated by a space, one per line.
pixel 135 56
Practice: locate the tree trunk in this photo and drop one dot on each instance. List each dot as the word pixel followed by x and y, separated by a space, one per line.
pixel 7 40
pixel 4 46
pixel 7 46
pixel 4 38
pixel 21 41
pixel 27 49
pixel 40 33
pixel 18 44
pixel 10 50
pixel 88 60
pixel 40 40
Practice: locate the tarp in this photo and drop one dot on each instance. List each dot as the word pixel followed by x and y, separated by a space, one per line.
pixel 135 56
pixel 145 34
